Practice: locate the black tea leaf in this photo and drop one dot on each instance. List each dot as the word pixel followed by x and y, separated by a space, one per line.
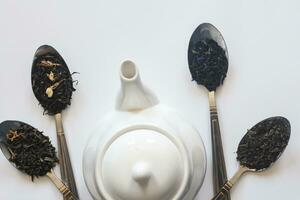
pixel 264 143
pixel 51 81
pixel 31 151
pixel 209 64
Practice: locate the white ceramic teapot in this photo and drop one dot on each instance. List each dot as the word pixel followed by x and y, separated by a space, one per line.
pixel 143 150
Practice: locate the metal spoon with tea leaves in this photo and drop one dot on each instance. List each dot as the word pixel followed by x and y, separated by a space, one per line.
pixel 262 145
pixel 52 85
pixel 31 152
pixel 208 64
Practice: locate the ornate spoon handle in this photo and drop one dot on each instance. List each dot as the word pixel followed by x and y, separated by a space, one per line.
pixel 229 184
pixel 219 168
pixel 66 169
pixel 68 195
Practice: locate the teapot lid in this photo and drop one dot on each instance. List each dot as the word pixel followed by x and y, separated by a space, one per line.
pixel 142 163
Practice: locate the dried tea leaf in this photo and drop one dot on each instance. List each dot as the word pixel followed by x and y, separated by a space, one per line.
pixel 209 64
pixel 32 152
pixel 52 83
pixel 264 143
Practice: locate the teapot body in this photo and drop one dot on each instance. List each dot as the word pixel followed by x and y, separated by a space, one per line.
pixel 153 142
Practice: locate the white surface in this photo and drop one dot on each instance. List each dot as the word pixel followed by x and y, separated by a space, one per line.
pixel 95 36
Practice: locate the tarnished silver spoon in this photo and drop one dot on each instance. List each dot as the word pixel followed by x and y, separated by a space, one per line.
pixel 19 149
pixel 208 64
pixel 262 145
pixel 52 85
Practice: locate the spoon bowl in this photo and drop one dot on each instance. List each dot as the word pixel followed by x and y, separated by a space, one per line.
pixel 48 65
pixel 5 128
pixel 259 149
pixel 26 147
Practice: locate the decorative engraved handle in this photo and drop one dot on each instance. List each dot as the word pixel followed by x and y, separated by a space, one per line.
pixel 224 191
pixel 222 194
pixel 219 167
pixel 68 195
pixel 66 169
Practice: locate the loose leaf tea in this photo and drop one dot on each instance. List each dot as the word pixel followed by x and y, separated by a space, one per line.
pixel 209 64
pixel 264 143
pixel 31 151
pixel 52 82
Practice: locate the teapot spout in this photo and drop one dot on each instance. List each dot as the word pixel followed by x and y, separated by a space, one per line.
pixel 133 95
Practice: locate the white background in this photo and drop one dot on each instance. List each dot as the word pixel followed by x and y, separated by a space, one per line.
pixel 95 36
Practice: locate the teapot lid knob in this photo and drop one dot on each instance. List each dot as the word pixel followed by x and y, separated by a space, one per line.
pixel 141 173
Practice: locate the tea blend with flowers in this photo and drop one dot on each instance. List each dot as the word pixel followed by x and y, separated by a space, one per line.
pixel 209 64
pixel 52 83
pixel 31 151
pixel 264 143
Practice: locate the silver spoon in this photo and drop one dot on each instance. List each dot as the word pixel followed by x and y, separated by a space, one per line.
pixel 211 80
pixel 259 149
pixel 46 59
pixel 5 128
